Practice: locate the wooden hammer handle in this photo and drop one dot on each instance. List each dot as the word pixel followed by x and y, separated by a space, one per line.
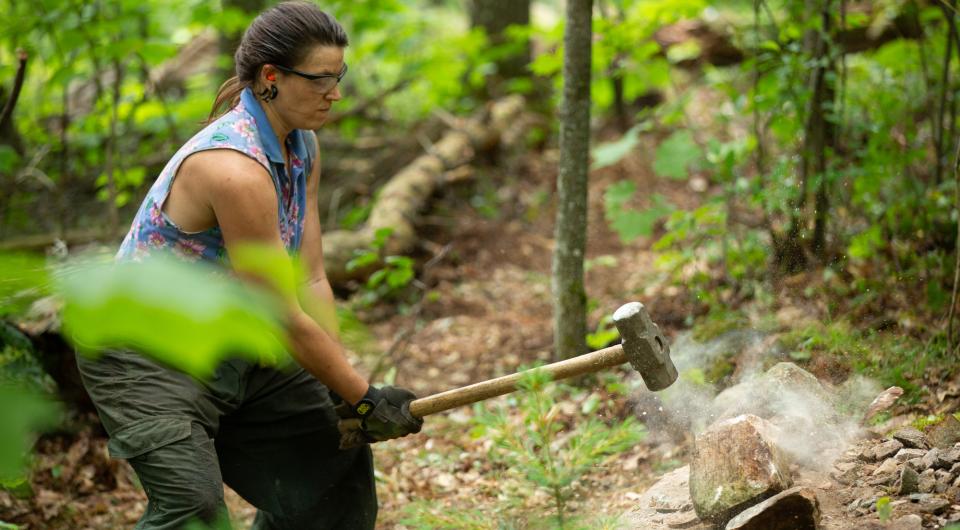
pixel 583 364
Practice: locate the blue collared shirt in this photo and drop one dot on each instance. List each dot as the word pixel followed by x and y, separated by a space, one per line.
pixel 246 129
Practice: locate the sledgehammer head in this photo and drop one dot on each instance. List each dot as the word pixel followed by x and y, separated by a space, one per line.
pixel 645 347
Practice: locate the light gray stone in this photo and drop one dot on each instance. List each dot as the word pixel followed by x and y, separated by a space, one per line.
pixel 907 522
pixel 906 454
pixel 911 437
pixel 927 482
pixel 929 460
pixel 885 450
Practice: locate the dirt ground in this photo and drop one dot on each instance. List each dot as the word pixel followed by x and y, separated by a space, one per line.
pixel 484 311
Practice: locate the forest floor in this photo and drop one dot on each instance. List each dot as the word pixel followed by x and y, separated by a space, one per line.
pixel 484 310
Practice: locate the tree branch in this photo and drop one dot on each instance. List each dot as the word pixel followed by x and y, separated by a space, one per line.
pixel 17 85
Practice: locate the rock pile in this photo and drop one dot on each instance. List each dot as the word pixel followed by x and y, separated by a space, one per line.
pixel 773 459
pixel 914 474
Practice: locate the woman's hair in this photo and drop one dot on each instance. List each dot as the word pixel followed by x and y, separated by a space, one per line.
pixel 283 35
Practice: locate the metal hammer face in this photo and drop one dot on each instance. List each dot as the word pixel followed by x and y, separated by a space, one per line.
pixel 645 347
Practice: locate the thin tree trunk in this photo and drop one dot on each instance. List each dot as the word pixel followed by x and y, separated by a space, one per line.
pixel 940 147
pixel 824 95
pixel 570 300
pixel 112 152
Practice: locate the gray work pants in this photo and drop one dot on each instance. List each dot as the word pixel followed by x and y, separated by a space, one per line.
pixel 269 434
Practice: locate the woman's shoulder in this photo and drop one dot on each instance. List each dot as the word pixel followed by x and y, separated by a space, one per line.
pixel 235 131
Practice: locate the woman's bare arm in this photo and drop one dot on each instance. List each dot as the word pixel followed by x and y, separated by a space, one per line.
pixel 241 194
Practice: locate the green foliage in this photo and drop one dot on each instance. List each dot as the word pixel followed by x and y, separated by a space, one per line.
pixel 23 278
pixel 884 509
pixel 627 222
pixel 718 321
pixel 190 316
pixel 676 155
pixel 540 451
pixel 24 413
pixel 606 333
pixel 890 358
pixel 610 153
pixel 426 515
pixel 391 274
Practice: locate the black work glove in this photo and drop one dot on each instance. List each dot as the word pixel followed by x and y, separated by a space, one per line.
pixel 382 414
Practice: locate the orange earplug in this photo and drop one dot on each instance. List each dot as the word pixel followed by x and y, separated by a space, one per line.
pixel 271 77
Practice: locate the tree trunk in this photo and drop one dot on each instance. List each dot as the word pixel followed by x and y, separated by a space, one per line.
pixel 823 132
pixel 570 300
pixel 790 254
pixel 494 17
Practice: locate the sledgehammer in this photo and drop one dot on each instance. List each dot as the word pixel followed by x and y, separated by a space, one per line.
pixel 642 345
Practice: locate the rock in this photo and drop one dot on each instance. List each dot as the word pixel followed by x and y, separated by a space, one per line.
pixel 927 481
pixel 907 522
pixel 930 460
pixel 944 478
pixel 906 454
pixel 794 509
pixel 673 489
pixel 911 437
pixel 885 473
pixel 909 481
pixel 885 450
pixel 735 464
pixel 950 457
pixel 682 520
pixel 934 505
pixel 846 472
pixel 944 434
pixel 916 463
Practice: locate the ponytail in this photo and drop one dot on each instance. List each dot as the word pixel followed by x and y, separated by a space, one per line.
pixel 228 96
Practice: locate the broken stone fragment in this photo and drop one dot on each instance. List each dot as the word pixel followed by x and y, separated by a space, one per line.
pixel 916 463
pixel 909 481
pixel 906 454
pixel 911 438
pixel 950 456
pixel 846 472
pixel 794 509
pixel 927 481
pixel 735 464
pixel 907 522
pixel 884 450
pixel 930 459
pixel 944 434
pixel 885 473
pixel 934 505
pixel 888 466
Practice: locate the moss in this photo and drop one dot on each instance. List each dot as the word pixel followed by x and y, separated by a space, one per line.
pixel 717 323
pixel 720 370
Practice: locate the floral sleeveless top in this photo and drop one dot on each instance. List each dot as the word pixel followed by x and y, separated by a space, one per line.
pixel 244 128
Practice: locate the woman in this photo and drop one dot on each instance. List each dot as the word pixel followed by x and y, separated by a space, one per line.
pixel 251 177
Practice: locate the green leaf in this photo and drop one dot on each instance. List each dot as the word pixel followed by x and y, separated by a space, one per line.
pixel 884 509
pixel 608 154
pixel 24 413
pixel 362 260
pixel 190 316
pixel 23 278
pixel 676 155
pixel 618 194
pixel 865 244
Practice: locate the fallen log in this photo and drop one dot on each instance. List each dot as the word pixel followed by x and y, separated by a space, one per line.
pixel 407 193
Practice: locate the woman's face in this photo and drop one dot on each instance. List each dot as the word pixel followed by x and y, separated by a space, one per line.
pixel 305 103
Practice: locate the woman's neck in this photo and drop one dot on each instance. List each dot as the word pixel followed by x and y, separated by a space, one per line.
pixel 280 128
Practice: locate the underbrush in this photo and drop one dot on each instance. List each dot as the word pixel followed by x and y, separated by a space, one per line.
pixel 542 457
